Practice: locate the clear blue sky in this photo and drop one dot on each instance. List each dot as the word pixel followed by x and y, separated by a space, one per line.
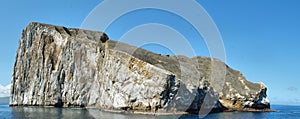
pixel 261 37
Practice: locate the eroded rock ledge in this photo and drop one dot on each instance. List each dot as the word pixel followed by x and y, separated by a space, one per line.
pixel 67 67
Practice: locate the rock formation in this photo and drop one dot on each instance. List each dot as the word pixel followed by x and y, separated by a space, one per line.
pixel 68 67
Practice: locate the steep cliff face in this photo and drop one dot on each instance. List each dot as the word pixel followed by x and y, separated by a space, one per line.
pixel 65 67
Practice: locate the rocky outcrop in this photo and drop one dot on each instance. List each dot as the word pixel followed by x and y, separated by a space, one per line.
pixel 67 67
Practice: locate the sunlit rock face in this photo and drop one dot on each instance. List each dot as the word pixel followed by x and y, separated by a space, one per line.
pixel 67 67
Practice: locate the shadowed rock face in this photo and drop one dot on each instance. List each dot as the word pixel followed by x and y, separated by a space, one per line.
pixel 66 67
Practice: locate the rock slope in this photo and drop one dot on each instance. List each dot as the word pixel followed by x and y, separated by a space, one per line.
pixel 68 67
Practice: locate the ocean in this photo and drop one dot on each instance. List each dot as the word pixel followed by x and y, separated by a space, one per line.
pixel 6 112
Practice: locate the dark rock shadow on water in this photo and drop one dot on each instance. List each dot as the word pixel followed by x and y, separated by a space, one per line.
pixel 50 113
pixel 23 112
pixel 113 115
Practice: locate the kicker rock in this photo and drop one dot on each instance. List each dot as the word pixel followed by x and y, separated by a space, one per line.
pixel 67 67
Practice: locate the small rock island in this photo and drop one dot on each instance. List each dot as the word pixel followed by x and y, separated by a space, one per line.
pixel 69 67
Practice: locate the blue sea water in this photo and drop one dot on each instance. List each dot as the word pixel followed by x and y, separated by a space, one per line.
pixel 6 112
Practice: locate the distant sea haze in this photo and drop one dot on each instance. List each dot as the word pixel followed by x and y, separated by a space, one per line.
pixel 5 90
